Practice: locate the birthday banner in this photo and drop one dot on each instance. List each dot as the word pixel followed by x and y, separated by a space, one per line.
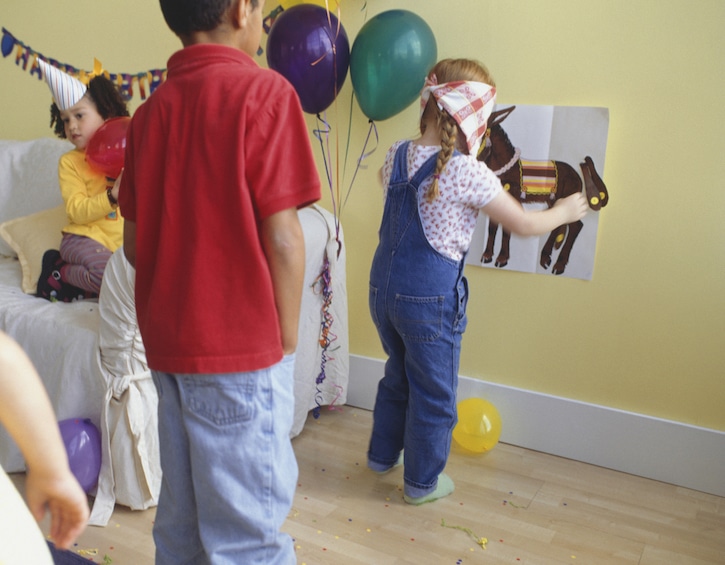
pixel 27 58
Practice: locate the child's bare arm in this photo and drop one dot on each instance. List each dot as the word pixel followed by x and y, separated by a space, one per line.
pixel 508 212
pixel 27 414
pixel 116 186
pixel 284 246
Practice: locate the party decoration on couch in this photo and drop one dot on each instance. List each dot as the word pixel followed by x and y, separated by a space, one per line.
pixel 106 149
pixel 575 135
pixel 479 425
pixel 390 58
pixel 28 59
pixel 82 442
pixel 309 47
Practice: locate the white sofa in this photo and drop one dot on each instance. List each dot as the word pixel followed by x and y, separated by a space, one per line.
pixel 89 353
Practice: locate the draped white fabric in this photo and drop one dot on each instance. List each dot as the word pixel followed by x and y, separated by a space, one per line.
pixel 91 358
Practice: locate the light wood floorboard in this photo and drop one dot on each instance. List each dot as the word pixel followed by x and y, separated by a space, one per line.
pixel 531 507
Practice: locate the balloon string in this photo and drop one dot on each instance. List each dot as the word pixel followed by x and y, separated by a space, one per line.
pixel 363 156
pixel 337 169
pixel 321 133
pixel 333 43
pixel 327 155
pixel 349 134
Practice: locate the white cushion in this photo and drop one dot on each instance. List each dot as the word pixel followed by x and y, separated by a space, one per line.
pixel 29 178
pixel 30 237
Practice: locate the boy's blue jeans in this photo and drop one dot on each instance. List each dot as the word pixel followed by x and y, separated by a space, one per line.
pixel 229 471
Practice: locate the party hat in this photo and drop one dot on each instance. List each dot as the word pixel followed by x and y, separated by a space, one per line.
pixel 67 90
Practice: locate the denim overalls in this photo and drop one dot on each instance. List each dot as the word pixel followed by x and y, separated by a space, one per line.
pixel 418 304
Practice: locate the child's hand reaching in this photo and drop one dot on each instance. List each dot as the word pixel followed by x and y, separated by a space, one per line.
pixel 57 490
pixel 116 186
pixel 574 207
pixel 27 414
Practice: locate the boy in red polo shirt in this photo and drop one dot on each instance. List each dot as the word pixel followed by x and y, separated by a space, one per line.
pixel 218 161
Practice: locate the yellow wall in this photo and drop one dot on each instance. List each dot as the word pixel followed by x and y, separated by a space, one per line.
pixel 647 333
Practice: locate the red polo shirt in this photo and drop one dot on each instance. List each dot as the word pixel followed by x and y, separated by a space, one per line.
pixel 219 146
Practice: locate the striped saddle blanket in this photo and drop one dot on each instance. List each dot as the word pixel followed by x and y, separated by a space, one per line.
pixel 538 178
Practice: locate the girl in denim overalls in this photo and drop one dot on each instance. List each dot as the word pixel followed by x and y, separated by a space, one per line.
pixel 434 189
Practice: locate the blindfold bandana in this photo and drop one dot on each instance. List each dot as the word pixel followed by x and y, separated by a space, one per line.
pixel 469 103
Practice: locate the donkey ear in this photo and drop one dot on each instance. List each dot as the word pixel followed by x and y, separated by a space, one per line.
pixel 500 115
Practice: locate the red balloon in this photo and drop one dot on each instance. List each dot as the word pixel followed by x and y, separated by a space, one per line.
pixel 105 150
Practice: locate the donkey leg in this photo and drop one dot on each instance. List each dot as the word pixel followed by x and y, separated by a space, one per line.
pixel 563 259
pixel 487 256
pixel 559 235
pixel 545 259
pixel 503 255
pixel 555 241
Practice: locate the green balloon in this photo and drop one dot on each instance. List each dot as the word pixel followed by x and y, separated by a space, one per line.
pixel 389 61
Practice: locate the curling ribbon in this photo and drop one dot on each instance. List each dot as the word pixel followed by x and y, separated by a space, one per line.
pixel 327 337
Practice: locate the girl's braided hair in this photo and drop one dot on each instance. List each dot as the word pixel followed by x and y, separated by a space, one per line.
pixel 106 97
pixel 449 70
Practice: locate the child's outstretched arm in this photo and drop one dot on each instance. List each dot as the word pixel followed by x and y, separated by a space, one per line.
pixel 284 246
pixel 27 414
pixel 508 212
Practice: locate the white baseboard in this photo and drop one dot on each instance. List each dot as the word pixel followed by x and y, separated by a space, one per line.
pixel 663 450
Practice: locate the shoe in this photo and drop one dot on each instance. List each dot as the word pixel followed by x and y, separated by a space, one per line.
pixel 49 280
pixel 444 487
pixel 51 286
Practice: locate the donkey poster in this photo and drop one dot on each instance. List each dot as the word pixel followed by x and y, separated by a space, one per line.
pixel 541 154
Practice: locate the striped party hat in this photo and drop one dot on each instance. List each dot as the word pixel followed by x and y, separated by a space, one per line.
pixel 67 90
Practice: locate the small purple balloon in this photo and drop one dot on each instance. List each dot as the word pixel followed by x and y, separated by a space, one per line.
pixel 309 47
pixel 82 442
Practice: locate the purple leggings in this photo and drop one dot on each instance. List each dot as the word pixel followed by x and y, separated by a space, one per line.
pixel 85 261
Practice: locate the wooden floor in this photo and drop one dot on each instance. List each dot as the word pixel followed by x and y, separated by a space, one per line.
pixel 530 508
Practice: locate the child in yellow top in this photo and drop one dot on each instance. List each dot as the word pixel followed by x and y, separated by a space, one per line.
pixel 95 228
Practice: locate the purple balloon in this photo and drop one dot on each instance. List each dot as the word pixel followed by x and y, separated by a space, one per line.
pixel 310 49
pixel 82 442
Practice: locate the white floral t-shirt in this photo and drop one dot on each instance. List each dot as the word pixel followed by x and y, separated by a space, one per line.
pixel 466 185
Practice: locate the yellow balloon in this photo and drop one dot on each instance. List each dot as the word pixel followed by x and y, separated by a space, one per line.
pixel 479 425
pixel 332 4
